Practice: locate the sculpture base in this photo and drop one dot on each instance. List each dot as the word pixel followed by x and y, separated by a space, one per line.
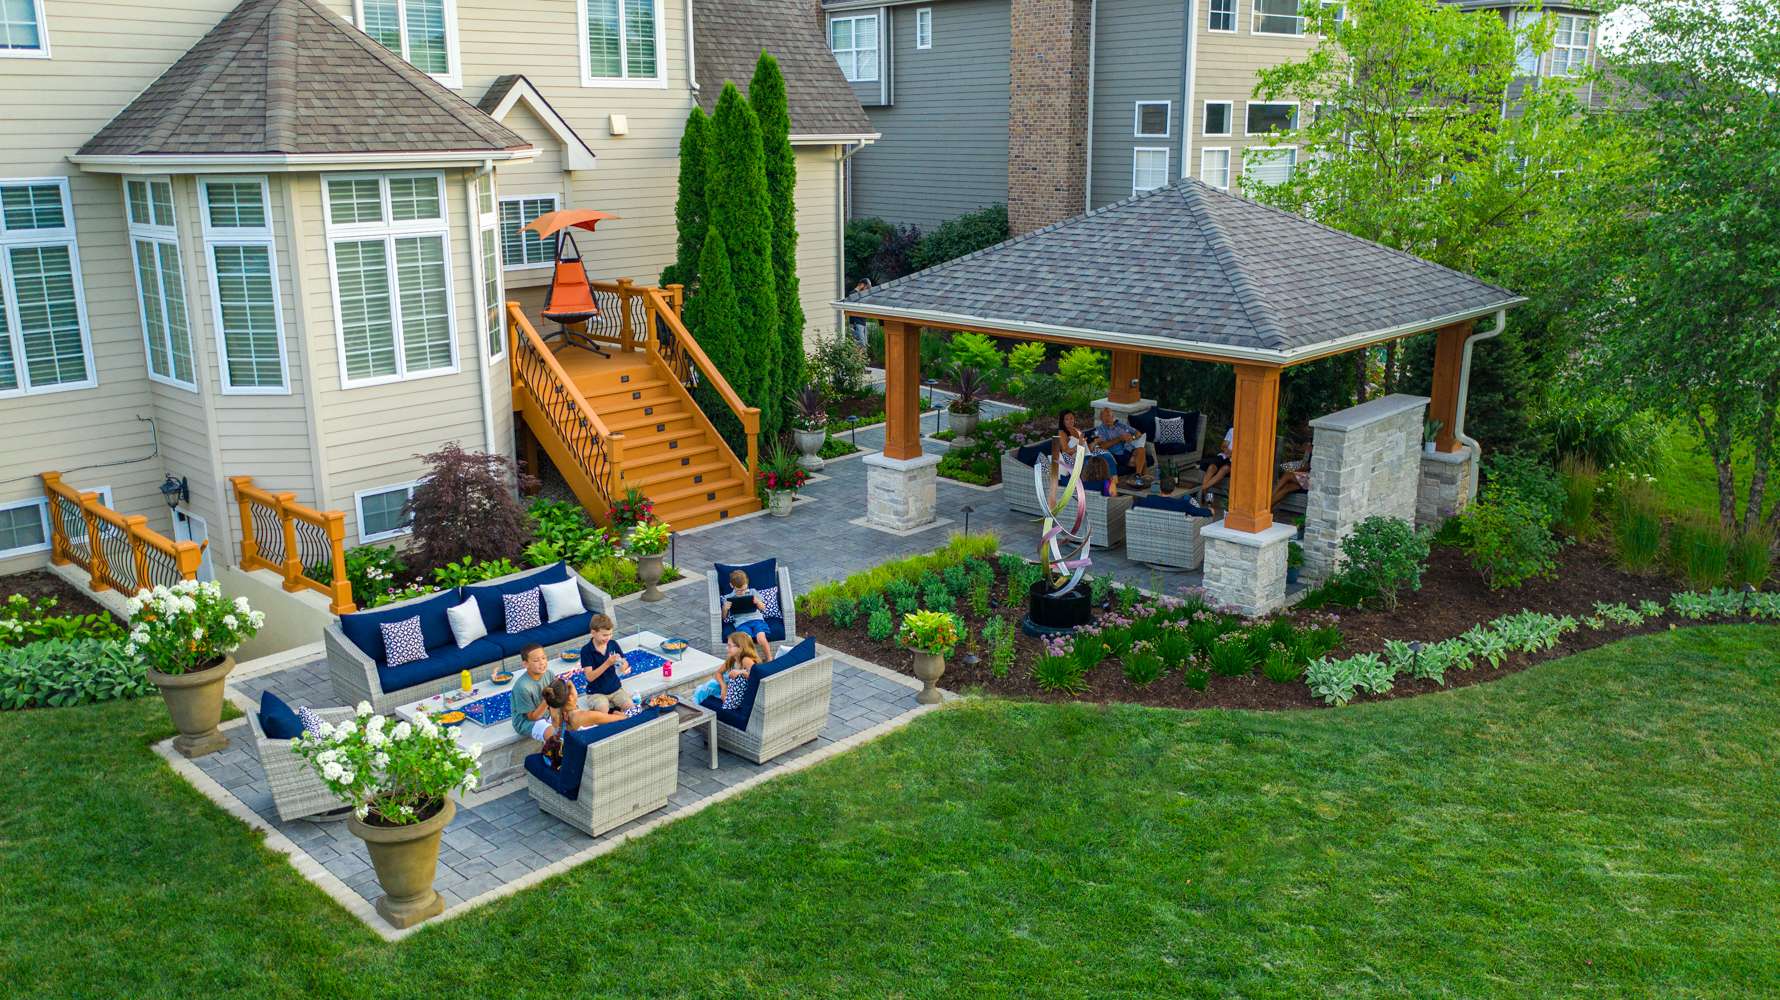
pixel 1047 615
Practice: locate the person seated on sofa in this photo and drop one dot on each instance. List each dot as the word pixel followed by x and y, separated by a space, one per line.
pixel 1294 477
pixel 1217 467
pixel 567 713
pixel 531 717
pixel 1120 440
pixel 600 660
pixel 1069 438
pixel 742 607
pixel 1097 476
pixel 731 682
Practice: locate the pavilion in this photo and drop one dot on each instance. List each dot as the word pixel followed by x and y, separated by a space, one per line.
pixel 1187 271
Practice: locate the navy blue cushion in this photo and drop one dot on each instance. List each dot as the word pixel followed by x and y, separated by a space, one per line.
pixel 547 634
pixel 445 661
pixel 1029 454
pixel 761 575
pixel 567 781
pixel 488 595
pixel 608 682
pixel 364 628
pixel 803 652
pixel 775 630
pixel 1183 504
pixel 539 765
pixel 278 720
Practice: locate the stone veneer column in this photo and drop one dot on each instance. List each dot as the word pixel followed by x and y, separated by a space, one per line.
pixel 1047 124
pixel 1246 570
pixel 900 493
pixel 1367 462
pixel 1446 486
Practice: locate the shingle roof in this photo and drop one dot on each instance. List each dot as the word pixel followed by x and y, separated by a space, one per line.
pixel 731 34
pixel 290 77
pixel 1190 266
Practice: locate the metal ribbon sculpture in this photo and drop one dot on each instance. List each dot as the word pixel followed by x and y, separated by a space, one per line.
pixel 1062 572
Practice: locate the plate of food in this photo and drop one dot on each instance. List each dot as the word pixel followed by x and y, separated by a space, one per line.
pixel 501 677
pixel 674 646
pixel 449 719
pixel 570 655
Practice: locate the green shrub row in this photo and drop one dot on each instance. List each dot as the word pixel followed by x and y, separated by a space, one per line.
pixel 820 599
pixel 57 673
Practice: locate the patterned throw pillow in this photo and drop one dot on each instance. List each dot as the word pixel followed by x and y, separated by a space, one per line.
pixel 311 722
pixel 734 691
pixel 1171 430
pixel 768 600
pixel 524 610
pixel 403 642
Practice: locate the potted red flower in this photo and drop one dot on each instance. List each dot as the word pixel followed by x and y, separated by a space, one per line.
pixel 779 480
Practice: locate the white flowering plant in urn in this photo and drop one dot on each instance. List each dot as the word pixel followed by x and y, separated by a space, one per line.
pixel 392 774
pixel 189 626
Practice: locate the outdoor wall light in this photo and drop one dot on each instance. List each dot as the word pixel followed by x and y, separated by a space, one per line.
pixel 175 491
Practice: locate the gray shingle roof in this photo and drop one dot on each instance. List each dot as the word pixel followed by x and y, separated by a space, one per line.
pixel 730 36
pixel 290 77
pixel 1190 266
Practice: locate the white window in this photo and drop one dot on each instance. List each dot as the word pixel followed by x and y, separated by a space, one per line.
pixel 1149 168
pixel 1526 60
pixel 1222 16
pixel 1270 166
pixel 854 41
pixel 1277 17
pixel 424 32
pixel 924 28
pixel 23 33
pixel 1569 45
pixel 488 249
pixel 390 254
pixel 621 44
pixel 244 284
pixel 160 284
pixel 380 513
pixel 24 527
pixel 1153 119
pixel 520 249
pixel 44 344
pixel 1214 168
pixel 1217 117
pixel 1267 118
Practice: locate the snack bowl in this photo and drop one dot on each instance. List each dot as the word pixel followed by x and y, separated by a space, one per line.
pixel 501 677
pixel 449 719
pixel 674 646
pixel 570 656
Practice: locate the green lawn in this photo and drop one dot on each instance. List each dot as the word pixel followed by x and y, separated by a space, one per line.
pixel 1598 826
pixel 1687 480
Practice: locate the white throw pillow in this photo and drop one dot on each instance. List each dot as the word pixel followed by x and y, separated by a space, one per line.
pixel 466 623
pixel 561 600
pixel 1171 430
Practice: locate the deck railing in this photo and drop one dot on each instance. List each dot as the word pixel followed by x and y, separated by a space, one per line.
pixel 304 545
pixel 540 383
pixel 118 552
pixel 688 361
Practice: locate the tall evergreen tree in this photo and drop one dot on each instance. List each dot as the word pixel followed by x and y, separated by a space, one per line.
pixel 691 215
pixel 736 192
pixel 715 318
pixel 767 94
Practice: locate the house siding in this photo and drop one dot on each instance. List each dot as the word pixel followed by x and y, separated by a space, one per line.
pixel 538 178
pixel 818 198
pixel 1137 57
pixel 1226 70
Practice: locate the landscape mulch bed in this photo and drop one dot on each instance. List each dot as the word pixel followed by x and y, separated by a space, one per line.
pixel 1452 599
pixel 36 583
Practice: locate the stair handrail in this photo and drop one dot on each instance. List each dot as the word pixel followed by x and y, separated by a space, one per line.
pixel 666 312
pixel 300 529
pixel 151 556
pixel 598 448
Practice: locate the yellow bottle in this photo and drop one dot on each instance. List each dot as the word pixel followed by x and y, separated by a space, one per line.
pixel 468 685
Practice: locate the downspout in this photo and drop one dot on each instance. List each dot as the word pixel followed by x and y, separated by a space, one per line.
pixel 1458 419
pixel 691 64
pixel 483 385
pixel 1189 53
pixel 1088 165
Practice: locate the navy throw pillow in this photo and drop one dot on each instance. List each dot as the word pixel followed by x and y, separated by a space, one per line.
pixel 278 720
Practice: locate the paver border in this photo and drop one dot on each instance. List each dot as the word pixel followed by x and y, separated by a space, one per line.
pixel 864 522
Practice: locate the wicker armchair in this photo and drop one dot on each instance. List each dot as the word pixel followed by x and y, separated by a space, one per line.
pixel 623 776
pixel 1016 477
pixel 1167 539
pixel 297 791
pixel 790 709
pixel 716 586
pixel 1106 518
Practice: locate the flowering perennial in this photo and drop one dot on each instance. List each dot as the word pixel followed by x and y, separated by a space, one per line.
pixel 397 772
pixel 189 626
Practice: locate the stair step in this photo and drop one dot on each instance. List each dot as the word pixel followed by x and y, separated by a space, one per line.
pixel 644 465
pixel 605 397
pixel 660 422
pixel 687 489
pixel 651 404
pixel 676 474
pixel 715 510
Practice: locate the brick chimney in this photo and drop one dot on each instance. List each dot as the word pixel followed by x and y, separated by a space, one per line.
pixel 1047 124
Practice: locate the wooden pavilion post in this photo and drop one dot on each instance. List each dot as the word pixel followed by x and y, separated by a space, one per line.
pixel 902 390
pixel 1251 461
pixel 1127 366
pixel 1443 404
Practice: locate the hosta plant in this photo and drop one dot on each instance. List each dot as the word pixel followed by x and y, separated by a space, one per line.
pixel 60 672
pixel 189 626
pixel 391 775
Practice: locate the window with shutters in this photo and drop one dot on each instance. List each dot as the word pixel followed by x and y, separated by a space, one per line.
pixel 424 32
pixel 621 44
pixel 243 266
pixel 390 256
pixel 44 340
pixel 520 249
pixel 160 283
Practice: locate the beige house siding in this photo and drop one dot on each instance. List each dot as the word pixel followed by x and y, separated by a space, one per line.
pixel 819 229
pixel 1225 70
pixel 541 177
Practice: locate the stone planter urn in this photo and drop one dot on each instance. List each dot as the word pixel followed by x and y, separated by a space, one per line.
pixel 649 575
pixel 963 425
pixel 929 667
pixel 194 701
pixel 778 502
pixel 809 447
pixel 406 858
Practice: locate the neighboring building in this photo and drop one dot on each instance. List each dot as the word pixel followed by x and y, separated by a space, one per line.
pixel 1059 106
pixel 253 239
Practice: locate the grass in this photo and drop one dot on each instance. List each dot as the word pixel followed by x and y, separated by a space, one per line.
pixel 1600 825
pixel 1686 479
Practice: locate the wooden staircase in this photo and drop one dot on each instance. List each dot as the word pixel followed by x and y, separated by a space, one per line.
pixel 629 421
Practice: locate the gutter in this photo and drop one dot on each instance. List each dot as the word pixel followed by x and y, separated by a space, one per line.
pixel 483 386
pixel 1088 167
pixel 1189 56
pixel 152 163
pixel 691 59
pixel 1465 391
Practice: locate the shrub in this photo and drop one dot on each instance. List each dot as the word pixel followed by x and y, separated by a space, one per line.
pixel 1752 558
pixel 1196 678
pixel 973 350
pixel 1024 359
pixel 70 671
pixel 870 603
pixel 1280 666
pixel 1700 551
pixel 1382 556
pixel 465 572
pixel 1637 526
pixel 1508 538
pixel 833 447
pixel 1144 664
pixel 880 626
pixel 957 549
pixel 837 366
pixel 1059 673
pixel 1531 478
pixel 1083 370
pixel 564 532
pixel 999 635
pixel 902 595
pixel 844 611
pixel 1230 659
pixel 24 621
pixel 965 234
pixel 863 238
pixel 979 598
pixel 938 597
pixel 465 506
pixel 1581 479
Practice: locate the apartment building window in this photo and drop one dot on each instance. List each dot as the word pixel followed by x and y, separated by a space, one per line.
pixel 424 32
pixel 1270 166
pixel 380 512
pixel 924 28
pixel 160 285
pixel 1149 168
pixel 44 344
pixel 244 284
pixel 22 31
pixel 520 249
pixel 1217 117
pixel 1214 168
pixel 1569 45
pixel 1265 118
pixel 1222 16
pixel 1277 17
pixel 622 44
pixel 1152 119
pixel 854 41
pixel 388 248
pixel 1526 60
pixel 488 242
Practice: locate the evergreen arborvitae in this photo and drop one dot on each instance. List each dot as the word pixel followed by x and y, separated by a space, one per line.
pixel 715 320
pixel 736 193
pixel 767 95
pixel 691 215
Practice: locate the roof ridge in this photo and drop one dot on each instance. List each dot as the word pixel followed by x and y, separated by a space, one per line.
pixel 1224 251
pixel 281 77
pixel 191 97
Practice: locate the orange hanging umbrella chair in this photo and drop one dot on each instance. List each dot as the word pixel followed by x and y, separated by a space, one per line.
pixel 569 303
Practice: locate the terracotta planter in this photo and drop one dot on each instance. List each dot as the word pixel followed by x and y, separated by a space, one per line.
pixel 194 701
pixel 778 502
pixel 929 667
pixel 649 574
pixel 406 859
pixel 963 425
pixel 809 448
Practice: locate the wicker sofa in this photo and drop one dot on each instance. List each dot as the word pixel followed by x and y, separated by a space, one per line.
pixel 610 774
pixel 763 575
pixel 1106 518
pixel 1016 477
pixel 297 791
pixel 1171 456
pixel 786 705
pixel 1159 531
pixel 356 655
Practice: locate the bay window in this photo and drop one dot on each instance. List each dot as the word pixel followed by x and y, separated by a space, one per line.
pixel 389 253
pixel 160 284
pixel 244 284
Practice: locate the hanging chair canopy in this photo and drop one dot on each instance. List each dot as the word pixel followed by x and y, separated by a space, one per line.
pixel 551 223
